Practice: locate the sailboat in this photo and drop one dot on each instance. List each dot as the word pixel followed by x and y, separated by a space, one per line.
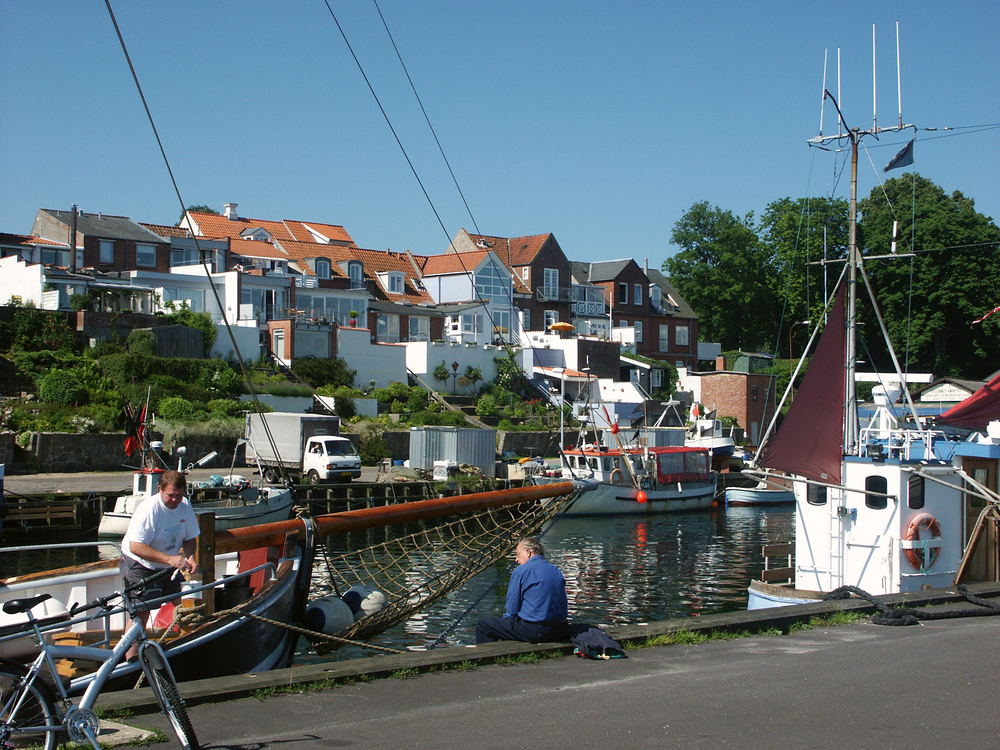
pixel 880 507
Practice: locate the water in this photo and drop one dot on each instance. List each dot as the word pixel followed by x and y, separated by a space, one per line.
pixel 618 570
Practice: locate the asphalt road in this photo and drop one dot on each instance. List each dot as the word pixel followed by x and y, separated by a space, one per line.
pixel 858 686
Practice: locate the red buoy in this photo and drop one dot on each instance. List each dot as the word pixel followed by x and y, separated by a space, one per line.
pixel 640 497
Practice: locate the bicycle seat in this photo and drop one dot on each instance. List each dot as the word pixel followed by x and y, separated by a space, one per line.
pixel 17 606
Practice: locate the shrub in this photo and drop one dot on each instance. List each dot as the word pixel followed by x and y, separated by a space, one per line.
pixel 175 407
pixel 486 406
pixel 37 330
pixel 373 449
pixel 318 371
pixel 84 301
pixel 141 342
pixel 61 387
pixel 225 407
pixel 200 320
pixel 417 400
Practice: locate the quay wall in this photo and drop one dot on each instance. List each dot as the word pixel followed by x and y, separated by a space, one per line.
pixel 61 452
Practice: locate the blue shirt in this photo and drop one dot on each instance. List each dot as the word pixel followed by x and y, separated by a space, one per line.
pixel 537 592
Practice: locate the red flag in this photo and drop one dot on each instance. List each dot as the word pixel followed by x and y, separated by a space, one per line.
pixel 135 427
pixel 991 312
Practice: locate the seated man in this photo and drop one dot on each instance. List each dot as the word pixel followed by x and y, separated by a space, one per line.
pixel 536 601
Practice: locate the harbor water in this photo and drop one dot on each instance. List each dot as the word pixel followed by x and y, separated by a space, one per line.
pixel 618 570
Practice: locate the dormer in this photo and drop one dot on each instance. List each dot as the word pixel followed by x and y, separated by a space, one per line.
pixel 355 272
pixel 321 267
pixel 393 281
pixel 256 233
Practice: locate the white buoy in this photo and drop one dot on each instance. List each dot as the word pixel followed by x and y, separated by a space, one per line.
pixel 329 614
pixel 373 602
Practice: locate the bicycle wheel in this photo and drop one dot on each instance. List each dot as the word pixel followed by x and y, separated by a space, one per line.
pixel 170 701
pixel 27 726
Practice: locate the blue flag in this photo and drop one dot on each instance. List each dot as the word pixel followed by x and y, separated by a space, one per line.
pixel 903 159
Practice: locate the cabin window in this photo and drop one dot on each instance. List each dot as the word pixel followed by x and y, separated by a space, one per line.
pixel 816 494
pixel 876 484
pixel 915 491
pixel 593 463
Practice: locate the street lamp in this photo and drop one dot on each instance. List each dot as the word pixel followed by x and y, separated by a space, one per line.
pixel 454 377
pixel 562 413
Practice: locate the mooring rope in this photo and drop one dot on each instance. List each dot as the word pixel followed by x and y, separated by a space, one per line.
pixel 887 615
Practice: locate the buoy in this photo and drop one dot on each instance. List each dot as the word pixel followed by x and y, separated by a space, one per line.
pixel 329 614
pixel 640 496
pixel 372 603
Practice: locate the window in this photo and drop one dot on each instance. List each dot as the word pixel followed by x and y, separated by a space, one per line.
pixel 395 285
pixel 145 255
pixel 876 484
pixel 638 330
pixel 816 494
pixel 501 322
pixel 525 320
pixel 551 316
pixel 107 252
pixel 681 335
pixel 637 294
pixel 356 274
pixel 915 493
pixel 492 285
pixel 664 338
pixel 526 273
pixel 419 328
pixel 656 377
pixel 323 268
pixel 623 324
pixel 471 323
pixel 550 283
pixel 623 293
pixel 387 328
pixel 655 296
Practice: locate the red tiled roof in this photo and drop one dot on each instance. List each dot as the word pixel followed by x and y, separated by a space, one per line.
pixel 256 249
pixel 216 226
pixel 462 263
pixel 7 238
pixel 518 251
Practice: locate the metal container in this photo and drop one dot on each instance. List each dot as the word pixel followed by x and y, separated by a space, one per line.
pixel 464 445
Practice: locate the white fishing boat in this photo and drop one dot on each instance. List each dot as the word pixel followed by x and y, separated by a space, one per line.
pixel 883 508
pixel 762 494
pixel 245 505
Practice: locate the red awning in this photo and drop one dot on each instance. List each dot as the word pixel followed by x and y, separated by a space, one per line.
pixel 981 407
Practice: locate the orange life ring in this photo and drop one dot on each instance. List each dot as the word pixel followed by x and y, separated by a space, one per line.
pixel 616 475
pixel 924 557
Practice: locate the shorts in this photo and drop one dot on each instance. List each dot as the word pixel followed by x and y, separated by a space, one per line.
pixel 133 572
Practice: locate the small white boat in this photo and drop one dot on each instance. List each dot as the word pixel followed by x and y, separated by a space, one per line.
pixel 640 480
pixel 762 494
pixel 246 506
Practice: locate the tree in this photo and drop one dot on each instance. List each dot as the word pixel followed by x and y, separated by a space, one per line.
pixel 724 272
pixel 199 209
pixel 318 371
pixel 930 299
pixel 797 233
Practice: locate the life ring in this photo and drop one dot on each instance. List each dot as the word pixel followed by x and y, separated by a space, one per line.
pixel 616 475
pixel 922 557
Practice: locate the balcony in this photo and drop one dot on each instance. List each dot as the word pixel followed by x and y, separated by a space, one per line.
pixel 554 294
pixel 589 308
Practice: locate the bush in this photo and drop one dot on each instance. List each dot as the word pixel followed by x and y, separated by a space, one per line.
pixel 141 342
pixel 38 330
pixel 226 407
pixel 373 449
pixel 199 320
pixel 175 407
pixel 486 406
pixel 62 388
pixel 318 371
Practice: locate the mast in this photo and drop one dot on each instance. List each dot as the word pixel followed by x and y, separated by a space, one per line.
pixel 853 261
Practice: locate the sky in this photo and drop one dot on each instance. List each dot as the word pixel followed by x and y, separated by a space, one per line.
pixel 599 122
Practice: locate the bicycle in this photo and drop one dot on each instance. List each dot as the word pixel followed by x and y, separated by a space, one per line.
pixel 35 711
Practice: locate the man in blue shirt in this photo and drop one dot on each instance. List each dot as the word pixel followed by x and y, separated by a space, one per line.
pixel 536 601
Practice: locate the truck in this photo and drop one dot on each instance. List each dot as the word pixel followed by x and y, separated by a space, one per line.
pixel 304 446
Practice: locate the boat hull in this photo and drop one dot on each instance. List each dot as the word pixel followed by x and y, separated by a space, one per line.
pixel 746 496
pixel 619 500
pixel 763 595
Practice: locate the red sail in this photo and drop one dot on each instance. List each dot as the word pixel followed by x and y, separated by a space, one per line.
pixel 810 440
pixel 978 409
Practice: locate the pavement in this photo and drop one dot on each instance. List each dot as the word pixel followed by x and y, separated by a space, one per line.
pixel 858 686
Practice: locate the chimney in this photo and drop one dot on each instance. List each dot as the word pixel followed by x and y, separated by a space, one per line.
pixel 72 239
pixel 229 211
pixel 720 363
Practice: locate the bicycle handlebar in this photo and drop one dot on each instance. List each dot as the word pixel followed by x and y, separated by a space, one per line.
pixel 102 601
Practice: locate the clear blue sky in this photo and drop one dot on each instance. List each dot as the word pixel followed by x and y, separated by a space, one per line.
pixel 599 122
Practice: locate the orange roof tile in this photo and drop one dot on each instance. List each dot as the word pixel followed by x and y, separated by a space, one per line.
pixel 26 239
pixel 256 249
pixel 216 226
pixel 518 251
pixel 167 231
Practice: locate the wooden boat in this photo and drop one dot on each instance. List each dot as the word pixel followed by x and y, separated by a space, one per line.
pixel 245 506
pixel 759 495
pixel 258 579
pixel 632 480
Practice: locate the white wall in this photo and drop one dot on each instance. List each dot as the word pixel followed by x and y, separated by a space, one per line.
pixel 21 279
pixel 423 356
pixel 247 340
pixel 383 363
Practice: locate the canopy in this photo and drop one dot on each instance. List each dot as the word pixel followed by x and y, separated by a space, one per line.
pixel 978 409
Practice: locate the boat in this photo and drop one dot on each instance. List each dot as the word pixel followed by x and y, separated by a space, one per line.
pixel 245 504
pixel 880 508
pixel 762 494
pixel 634 480
pixel 256 586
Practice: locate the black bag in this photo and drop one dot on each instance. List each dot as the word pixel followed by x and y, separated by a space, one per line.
pixel 594 643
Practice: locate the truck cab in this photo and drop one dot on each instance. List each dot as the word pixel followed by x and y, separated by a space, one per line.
pixel 328 457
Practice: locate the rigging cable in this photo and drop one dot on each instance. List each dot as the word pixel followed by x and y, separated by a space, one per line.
pixel 177 191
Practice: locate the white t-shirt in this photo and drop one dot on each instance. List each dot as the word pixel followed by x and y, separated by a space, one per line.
pixel 163 529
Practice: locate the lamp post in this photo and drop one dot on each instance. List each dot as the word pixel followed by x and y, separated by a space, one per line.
pixel 454 377
pixel 562 414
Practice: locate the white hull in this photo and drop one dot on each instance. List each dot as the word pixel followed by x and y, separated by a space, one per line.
pixel 272 504
pixel 764 595
pixel 619 500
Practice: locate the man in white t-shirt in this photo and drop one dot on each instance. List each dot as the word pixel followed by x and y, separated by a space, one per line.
pixel 163 533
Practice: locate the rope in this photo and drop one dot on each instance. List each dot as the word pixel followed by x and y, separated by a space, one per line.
pixel 315 634
pixel 887 615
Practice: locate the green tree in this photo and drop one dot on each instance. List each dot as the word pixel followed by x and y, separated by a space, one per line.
pixel 318 371
pixel 930 299
pixel 725 273
pixel 200 320
pixel 202 209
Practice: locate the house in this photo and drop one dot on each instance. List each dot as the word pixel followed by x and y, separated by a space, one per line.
pixel 947 390
pixel 747 395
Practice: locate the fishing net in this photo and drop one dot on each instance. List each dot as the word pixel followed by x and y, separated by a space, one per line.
pixel 416 569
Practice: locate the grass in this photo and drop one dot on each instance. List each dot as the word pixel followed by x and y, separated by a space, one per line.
pixel 831 620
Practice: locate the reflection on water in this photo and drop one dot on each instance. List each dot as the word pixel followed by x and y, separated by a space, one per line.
pixel 618 570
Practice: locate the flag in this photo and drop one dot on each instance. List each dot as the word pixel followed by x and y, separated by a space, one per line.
pixel 991 312
pixel 903 159
pixel 135 427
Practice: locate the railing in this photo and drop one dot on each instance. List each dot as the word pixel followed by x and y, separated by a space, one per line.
pixel 589 308
pixel 554 294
